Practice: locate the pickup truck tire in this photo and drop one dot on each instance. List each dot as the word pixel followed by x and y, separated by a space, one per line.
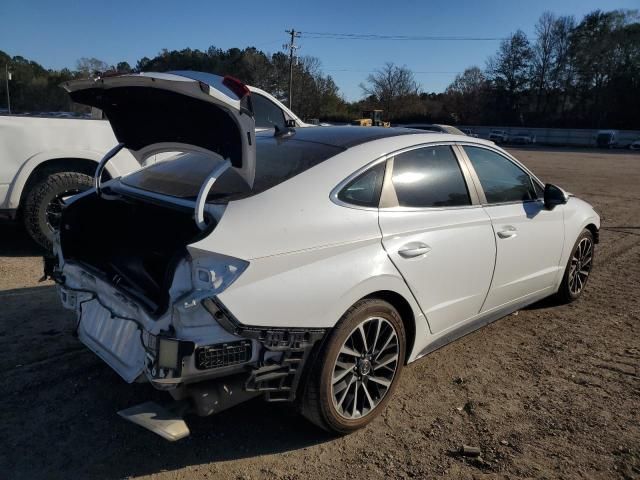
pixel 44 201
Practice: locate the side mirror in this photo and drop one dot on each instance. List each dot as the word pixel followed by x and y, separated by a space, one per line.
pixel 554 196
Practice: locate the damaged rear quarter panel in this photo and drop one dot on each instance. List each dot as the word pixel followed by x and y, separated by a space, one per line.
pixel 314 288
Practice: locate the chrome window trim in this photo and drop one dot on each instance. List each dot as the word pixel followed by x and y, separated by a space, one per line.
pixel 467 173
pixel 507 156
pixel 333 196
pixel 388 192
pixel 427 209
pixel 473 197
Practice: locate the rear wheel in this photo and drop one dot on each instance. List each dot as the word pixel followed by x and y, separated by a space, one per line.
pixel 578 268
pixel 43 204
pixel 355 375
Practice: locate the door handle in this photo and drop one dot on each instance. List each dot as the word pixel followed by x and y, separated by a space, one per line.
pixel 413 249
pixel 508 232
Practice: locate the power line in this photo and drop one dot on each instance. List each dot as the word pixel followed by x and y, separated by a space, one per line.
pixel 371 36
pixel 375 71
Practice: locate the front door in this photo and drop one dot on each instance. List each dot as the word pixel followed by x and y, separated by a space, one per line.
pixel 529 238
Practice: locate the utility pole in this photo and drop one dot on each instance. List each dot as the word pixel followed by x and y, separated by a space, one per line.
pixel 7 78
pixel 292 48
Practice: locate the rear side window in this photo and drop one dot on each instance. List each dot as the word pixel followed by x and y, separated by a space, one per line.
pixel 429 177
pixel 267 114
pixel 501 179
pixel 364 190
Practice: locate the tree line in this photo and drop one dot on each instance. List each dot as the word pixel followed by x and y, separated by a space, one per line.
pixel 569 74
pixel 315 95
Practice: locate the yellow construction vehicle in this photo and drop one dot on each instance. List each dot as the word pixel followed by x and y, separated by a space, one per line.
pixel 371 118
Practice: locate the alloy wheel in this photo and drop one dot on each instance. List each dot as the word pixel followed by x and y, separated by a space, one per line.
pixel 365 368
pixel 53 212
pixel 581 263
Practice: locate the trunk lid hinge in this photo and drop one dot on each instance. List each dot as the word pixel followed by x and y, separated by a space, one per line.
pixel 204 192
pixel 97 179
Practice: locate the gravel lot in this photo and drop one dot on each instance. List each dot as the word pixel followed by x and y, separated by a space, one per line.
pixel 549 392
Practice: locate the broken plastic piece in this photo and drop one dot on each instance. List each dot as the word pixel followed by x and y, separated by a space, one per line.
pixel 157 419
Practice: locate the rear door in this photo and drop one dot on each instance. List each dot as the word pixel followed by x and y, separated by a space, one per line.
pixel 529 238
pixel 437 234
pixel 151 113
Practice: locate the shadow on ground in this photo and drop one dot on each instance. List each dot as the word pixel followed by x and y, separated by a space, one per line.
pixel 60 408
pixel 15 242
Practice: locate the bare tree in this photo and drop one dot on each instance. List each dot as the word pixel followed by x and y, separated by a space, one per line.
pixel 123 67
pixel 90 66
pixel 392 87
pixel 562 72
pixel 466 95
pixel 509 68
pixel 509 72
pixel 543 56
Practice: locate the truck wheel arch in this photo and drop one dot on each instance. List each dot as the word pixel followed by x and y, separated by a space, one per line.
pixel 40 165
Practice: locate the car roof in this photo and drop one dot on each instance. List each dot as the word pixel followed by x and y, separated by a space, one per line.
pixel 342 136
pixel 378 140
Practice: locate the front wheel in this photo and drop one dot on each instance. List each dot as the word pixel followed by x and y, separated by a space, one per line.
pixel 355 375
pixel 578 268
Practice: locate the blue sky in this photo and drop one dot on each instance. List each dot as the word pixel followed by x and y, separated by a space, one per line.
pixel 56 34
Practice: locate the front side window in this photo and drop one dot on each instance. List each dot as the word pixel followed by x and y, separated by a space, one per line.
pixel 429 177
pixel 501 179
pixel 266 113
pixel 364 190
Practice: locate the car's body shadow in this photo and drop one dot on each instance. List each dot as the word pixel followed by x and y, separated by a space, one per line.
pixel 59 410
pixel 15 242
pixel 547 302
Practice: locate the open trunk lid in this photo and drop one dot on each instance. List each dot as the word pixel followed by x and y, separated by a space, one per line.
pixel 184 111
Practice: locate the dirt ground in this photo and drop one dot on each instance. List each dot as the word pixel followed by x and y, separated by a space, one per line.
pixel 550 392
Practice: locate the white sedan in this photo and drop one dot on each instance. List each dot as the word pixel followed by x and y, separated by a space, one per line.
pixel 305 265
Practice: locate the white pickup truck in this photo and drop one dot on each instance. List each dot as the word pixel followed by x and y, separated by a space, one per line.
pixel 44 160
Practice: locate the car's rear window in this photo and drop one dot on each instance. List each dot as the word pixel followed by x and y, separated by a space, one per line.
pixel 277 160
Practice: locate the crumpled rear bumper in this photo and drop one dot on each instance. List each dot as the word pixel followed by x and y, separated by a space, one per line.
pixel 167 351
pixel 117 341
pixel 195 343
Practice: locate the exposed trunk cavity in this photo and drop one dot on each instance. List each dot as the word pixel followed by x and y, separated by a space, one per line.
pixel 134 245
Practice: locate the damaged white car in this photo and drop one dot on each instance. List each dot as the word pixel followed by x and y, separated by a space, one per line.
pixel 305 265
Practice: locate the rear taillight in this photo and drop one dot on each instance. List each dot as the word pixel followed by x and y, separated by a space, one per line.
pixel 213 272
pixel 236 86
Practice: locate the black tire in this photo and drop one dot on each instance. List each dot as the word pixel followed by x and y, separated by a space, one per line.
pixel 43 199
pixel 317 402
pixel 582 255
